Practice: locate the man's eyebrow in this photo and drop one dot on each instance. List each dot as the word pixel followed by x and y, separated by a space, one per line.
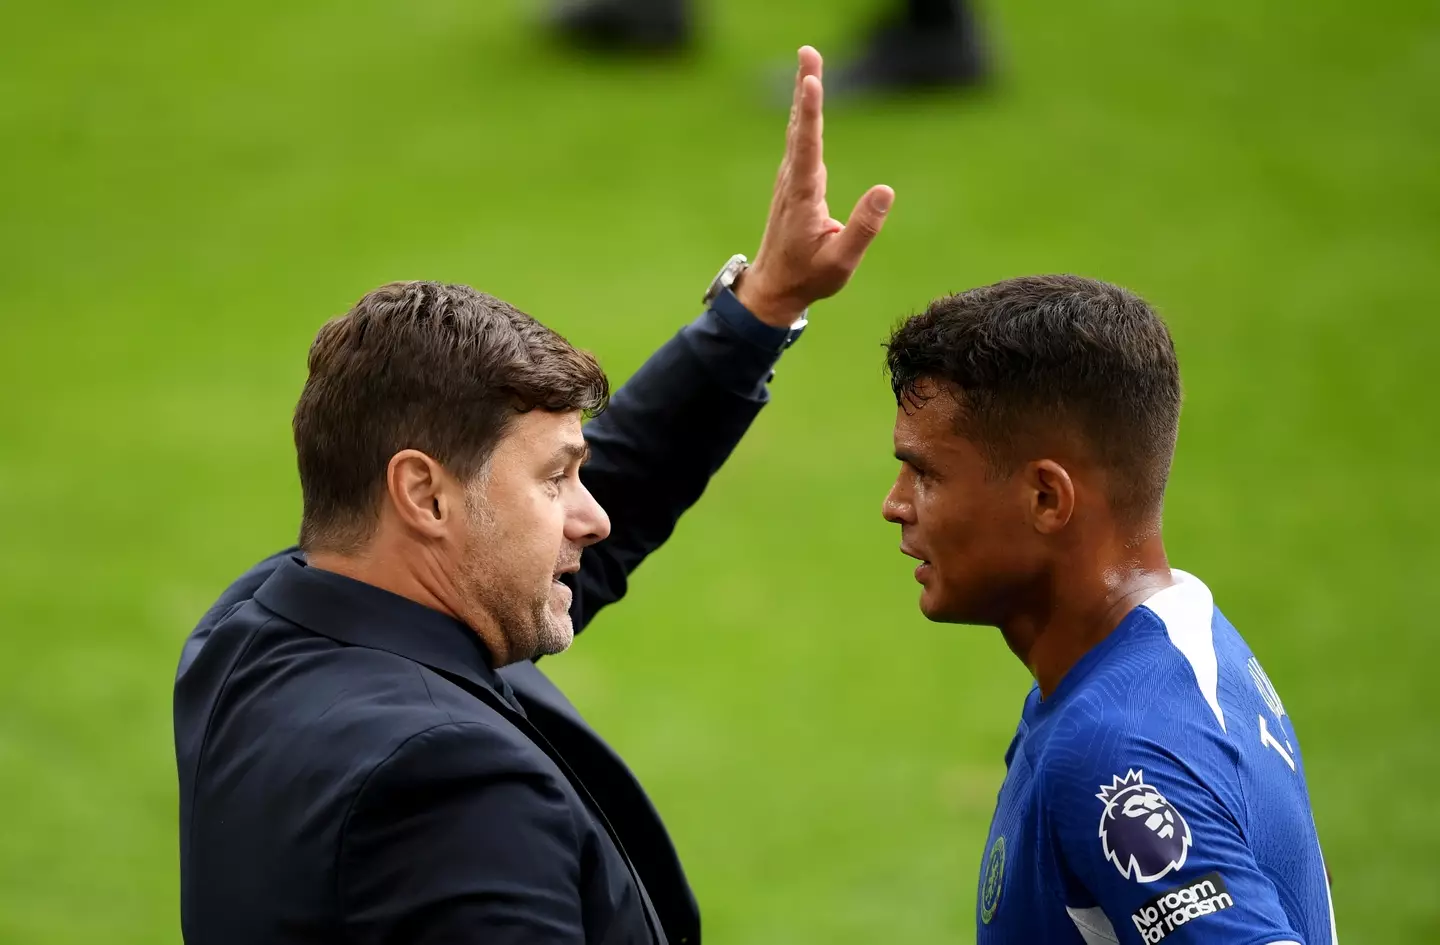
pixel 905 456
pixel 572 452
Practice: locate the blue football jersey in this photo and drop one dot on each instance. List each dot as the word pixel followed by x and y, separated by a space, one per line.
pixel 1158 795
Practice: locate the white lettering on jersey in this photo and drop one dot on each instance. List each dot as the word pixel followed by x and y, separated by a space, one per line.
pixel 1267 739
pixel 1158 917
pixel 1266 687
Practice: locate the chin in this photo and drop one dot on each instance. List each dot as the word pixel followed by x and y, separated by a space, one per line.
pixel 557 635
pixel 938 610
pixel 558 629
pixel 931 611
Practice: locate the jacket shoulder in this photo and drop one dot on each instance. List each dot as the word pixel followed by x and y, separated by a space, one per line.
pixel 286 699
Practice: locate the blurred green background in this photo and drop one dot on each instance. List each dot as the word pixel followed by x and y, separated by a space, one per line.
pixel 188 190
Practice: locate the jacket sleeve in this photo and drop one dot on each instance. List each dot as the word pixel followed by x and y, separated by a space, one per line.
pixel 665 433
pixel 458 838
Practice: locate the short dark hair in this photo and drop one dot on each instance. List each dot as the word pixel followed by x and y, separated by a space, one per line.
pixel 427 366
pixel 1054 350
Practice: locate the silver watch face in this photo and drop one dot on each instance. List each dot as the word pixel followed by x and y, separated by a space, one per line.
pixel 726 277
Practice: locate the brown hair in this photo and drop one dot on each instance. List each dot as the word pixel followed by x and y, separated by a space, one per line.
pixel 1054 351
pixel 421 365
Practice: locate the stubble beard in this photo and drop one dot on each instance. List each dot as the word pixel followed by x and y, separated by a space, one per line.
pixel 527 622
pixel 557 631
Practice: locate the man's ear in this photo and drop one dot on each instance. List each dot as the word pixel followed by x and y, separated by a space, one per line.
pixel 1051 496
pixel 421 493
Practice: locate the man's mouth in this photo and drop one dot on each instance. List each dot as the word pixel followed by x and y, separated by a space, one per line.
pixel 909 553
pixel 560 594
pixel 922 571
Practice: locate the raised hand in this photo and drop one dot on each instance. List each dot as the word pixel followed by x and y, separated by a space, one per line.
pixel 806 254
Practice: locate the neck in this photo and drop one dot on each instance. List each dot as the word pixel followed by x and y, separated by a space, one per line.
pixel 1082 604
pixel 415 574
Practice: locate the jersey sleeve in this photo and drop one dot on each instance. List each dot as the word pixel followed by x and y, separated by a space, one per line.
pixel 1146 838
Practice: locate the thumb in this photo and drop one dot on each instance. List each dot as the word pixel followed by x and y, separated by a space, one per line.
pixel 864 224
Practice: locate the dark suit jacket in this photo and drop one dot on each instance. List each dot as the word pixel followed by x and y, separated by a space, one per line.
pixel 353 769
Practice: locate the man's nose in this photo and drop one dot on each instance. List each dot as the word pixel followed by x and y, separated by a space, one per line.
pixel 896 510
pixel 587 522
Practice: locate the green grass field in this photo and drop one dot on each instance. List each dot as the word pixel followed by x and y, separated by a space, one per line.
pixel 188 190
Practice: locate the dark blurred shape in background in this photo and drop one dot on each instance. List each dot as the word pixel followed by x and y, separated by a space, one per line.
pixel 921 44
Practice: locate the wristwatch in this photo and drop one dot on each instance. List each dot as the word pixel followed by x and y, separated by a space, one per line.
pixel 726 277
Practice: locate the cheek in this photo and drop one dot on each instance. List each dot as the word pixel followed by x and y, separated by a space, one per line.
pixel 947 519
pixel 545 529
pixel 967 530
pixel 525 533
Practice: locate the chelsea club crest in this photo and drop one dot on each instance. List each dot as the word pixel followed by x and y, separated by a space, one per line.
pixel 992 880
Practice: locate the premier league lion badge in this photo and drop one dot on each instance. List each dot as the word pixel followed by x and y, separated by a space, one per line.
pixel 1141 832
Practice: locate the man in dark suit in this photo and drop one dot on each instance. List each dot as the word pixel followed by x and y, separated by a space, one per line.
pixel 367 751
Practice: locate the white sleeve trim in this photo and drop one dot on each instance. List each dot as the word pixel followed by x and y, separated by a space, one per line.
pixel 1094 925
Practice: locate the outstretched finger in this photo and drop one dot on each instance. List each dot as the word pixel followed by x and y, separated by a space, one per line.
pixel 863 226
pixel 808 145
pixel 808 62
pixel 811 62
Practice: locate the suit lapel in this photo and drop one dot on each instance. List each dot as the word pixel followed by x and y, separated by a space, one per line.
pixel 617 791
pixel 522 722
pixel 360 614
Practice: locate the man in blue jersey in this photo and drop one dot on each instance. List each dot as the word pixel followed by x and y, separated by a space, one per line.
pixel 1155 790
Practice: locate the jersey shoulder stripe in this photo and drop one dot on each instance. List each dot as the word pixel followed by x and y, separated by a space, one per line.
pixel 1187 609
